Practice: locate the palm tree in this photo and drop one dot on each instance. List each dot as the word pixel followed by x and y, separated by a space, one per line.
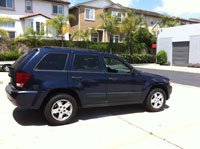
pixel 32 35
pixel 131 24
pixel 110 25
pixel 2 21
pixel 168 21
pixel 60 25
pixel 84 35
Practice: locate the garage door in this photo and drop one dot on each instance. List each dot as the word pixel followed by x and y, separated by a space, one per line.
pixel 180 54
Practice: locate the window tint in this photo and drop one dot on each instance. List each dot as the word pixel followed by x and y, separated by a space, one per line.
pixel 53 61
pixel 86 63
pixel 26 55
pixel 116 66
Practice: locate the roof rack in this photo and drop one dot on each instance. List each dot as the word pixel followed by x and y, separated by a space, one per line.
pixel 69 48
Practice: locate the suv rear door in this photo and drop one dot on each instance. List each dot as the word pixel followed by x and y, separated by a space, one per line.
pixel 122 85
pixel 87 77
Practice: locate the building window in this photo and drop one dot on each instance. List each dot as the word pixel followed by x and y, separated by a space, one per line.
pixel 118 15
pixel 58 9
pixel 32 25
pixel 152 21
pixel 39 27
pixel 11 34
pixel 94 37
pixel 28 5
pixel 6 3
pixel 8 24
pixel 116 38
pixel 89 14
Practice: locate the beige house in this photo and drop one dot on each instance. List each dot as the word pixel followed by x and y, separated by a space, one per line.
pixel 87 15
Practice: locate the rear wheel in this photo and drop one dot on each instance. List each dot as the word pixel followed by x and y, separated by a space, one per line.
pixel 155 100
pixel 60 109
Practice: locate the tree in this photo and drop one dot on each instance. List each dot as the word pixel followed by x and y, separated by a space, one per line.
pixel 60 25
pixel 110 25
pixel 131 24
pixel 143 39
pixel 84 35
pixel 3 20
pixel 168 21
pixel 33 35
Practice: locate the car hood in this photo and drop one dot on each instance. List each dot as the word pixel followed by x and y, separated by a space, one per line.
pixel 154 76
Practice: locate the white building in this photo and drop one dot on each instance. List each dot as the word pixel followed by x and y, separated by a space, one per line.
pixel 182 44
pixel 31 13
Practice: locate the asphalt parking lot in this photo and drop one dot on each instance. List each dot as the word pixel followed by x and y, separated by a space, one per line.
pixel 121 127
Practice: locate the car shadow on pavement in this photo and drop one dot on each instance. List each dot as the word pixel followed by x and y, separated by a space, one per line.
pixel 27 117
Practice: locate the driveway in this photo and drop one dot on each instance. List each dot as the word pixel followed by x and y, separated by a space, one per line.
pixel 121 127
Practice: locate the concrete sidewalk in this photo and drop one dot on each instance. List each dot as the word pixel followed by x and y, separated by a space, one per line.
pixel 172 68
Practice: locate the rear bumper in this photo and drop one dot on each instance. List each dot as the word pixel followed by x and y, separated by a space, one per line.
pixel 22 98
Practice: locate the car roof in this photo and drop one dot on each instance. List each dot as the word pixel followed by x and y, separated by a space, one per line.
pixel 61 49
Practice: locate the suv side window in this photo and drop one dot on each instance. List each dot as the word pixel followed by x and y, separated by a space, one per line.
pixel 115 66
pixel 53 61
pixel 86 63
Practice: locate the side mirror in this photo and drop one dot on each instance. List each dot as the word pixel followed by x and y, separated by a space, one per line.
pixel 133 71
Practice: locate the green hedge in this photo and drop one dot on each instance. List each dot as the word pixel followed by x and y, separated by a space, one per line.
pixel 118 48
pixel 10 56
pixel 138 58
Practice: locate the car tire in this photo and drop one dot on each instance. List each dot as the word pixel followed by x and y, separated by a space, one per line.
pixel 5 67
pixel 60 109
pixel 155 100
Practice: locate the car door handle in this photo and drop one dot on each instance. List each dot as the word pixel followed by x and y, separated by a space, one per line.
pixel 113 79
pixel 76 78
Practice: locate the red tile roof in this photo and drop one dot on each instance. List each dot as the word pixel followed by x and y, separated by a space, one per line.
pixel 35 14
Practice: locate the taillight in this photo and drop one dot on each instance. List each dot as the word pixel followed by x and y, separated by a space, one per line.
pixel 21 79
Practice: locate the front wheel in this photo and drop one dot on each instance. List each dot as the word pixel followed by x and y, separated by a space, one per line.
pixel 155 100
pixel 60 109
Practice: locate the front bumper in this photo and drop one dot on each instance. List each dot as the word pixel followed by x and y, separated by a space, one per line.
pixel 169 91
pixel 23 99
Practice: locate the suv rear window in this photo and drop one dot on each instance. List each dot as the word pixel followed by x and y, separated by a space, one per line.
pixel 26 55
pixel 87 63
pixel 53 61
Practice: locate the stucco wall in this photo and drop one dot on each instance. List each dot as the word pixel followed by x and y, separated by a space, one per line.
pixel 165 44
pixel 194 56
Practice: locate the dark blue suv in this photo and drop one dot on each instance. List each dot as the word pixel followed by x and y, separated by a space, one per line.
pixel 61 80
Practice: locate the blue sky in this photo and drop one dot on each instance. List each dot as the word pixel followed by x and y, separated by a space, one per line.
pixel 180 8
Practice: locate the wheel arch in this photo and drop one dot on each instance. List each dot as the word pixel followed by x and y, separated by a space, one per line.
pixel 161 86
pixel 69 91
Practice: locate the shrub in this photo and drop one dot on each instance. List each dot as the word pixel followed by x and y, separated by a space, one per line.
pixel 138 58
pixel 161 57
pixel 10 56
